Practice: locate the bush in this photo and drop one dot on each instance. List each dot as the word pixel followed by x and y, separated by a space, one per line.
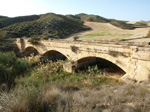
pixel 53 25
pixel 11 67
pixel 45 38
pixel 122 25
pixel 4 34
pixel 75 38
pixel 34 40
pixel 141 24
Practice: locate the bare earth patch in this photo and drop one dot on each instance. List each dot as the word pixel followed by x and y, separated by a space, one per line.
pixel 106 31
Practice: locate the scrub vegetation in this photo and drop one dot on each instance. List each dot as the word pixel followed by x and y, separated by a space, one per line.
pixel 95 18
pixel 51 25
pixel 28 84
pixel 45 87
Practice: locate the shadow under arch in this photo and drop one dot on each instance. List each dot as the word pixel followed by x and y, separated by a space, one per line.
pixel 53 55
pixel 102 64
pixel 30 50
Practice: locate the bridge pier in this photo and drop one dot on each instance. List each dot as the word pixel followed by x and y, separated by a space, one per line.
pixel 70 67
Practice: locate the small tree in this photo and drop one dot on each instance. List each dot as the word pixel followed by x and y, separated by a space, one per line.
pixel 34 40
pixel 45 37
pixel 11 67
pixel 75 38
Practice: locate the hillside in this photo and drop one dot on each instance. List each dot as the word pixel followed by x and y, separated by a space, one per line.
pixel 3 17
pixel 96 18
pixel 92 18
pixel 107 31
pixel 142 24
pixel 50 25
pixel 6 21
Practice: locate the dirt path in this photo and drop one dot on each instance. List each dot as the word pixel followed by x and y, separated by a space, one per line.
pixel 106 31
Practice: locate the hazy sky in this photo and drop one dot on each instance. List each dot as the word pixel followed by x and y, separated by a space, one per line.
pixel 132 10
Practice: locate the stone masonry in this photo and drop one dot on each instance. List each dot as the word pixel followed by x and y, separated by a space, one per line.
pixel 133 59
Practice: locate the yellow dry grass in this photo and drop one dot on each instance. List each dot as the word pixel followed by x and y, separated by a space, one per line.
pixel 106 31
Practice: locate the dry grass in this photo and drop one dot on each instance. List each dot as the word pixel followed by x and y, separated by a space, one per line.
pixel 123 98
pixel 33 60
pixel 106 31
pixel 48 89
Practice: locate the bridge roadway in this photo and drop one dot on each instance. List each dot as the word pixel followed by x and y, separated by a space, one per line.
pixel 133 58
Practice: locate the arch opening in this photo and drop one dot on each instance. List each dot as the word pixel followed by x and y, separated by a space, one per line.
pixel 101 64
pixel 30 50
pixel 53 56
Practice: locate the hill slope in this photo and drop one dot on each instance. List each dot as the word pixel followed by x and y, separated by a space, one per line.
pixel 107 31
pixel 92 18
pixel 51 25
pixel 6 21
pixel 96 18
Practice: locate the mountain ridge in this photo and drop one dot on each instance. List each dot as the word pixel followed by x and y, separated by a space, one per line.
pixel 51 25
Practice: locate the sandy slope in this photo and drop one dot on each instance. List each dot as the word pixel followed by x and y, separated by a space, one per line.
pixel 106 31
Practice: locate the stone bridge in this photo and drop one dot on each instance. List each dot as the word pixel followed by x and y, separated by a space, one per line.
pixel 134 60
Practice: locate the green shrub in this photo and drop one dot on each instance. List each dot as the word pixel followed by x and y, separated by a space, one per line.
pixel 45 38
pixel 122 24
pixel 34 40
pixel 53 25
pixel 11 67
pixel 75 38
pixel 141 24
pixel 4 34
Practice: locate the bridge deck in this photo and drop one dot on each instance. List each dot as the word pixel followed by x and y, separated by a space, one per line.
pixel 123 43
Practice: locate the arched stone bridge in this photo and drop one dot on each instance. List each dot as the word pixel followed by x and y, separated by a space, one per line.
pixel 134 60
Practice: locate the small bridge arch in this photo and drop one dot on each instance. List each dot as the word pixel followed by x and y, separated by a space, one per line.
pixel 53 55
pixel 30 50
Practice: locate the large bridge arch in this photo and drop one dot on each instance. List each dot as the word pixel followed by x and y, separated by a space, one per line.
pixel 119 61
pixel 101 63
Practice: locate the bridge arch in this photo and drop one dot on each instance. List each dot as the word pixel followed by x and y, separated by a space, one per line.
pixel 30 50
pixel 54 55
pixel 102 64
pixel 122 64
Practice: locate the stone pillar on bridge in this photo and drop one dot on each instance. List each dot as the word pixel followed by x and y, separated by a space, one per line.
pixel 70 67
pixel 21 44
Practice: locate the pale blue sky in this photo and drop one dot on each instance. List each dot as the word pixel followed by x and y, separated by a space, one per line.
pixel 132 10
